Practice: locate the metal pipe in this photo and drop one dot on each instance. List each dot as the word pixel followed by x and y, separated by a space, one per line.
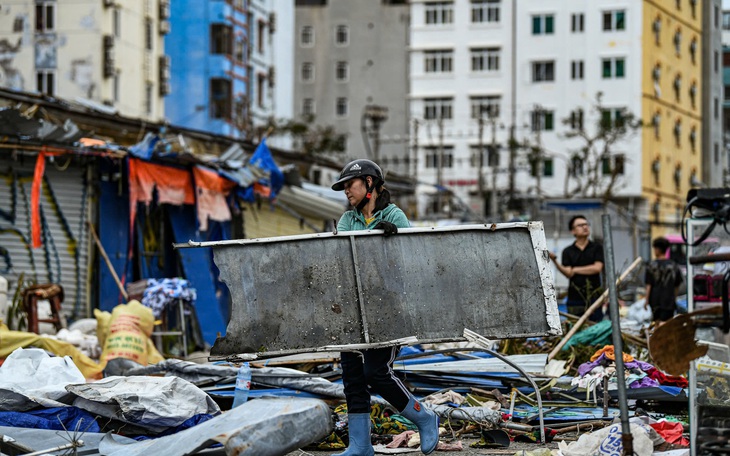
pixel 626 437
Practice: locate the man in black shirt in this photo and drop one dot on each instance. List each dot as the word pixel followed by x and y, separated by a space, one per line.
pixel 582 263
pixel 662 279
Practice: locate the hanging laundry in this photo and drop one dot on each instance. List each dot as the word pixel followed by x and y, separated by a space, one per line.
pixel 161 293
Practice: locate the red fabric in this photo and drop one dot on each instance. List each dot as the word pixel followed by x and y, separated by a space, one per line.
pixel 665 379
pixel 212 190
pixel 35 200
pixel 671 432
pixel 174 186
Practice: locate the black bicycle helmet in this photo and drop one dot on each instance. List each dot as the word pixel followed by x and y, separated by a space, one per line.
pixel 359 168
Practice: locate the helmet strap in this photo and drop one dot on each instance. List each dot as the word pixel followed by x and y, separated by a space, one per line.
pixel 368 195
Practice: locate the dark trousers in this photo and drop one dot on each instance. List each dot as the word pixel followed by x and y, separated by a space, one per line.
pixel 372 371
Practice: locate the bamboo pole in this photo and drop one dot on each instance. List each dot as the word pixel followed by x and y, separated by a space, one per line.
pixel 108 262
pixel 596 304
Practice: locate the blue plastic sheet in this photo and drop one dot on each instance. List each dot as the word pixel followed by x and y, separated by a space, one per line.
pixel 58 419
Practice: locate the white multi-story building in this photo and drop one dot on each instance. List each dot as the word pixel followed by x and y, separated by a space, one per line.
pixel 532 71
pixel 270 63
pixel 99 52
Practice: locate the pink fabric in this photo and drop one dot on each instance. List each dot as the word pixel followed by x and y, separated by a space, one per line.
pixel 400 440
pixel 212 190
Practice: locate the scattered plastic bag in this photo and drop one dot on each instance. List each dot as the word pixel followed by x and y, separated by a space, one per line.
pixel 26 381
pixel 607 442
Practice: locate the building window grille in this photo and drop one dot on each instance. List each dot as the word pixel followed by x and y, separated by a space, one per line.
pixel 576 69
pixel 693 94
pixel 46 82
pixel 342 35
pixel 677 86
pixel 307 71
pixel 260 35
pixel 308 107
pixel 341 107
pixel 693 50
pixel 614 68
pixel 45 16
pixel 342 71
pixel 306 36
pixel 439 13
pixel 485 59
pixel 220 98
pixel 577 22
pixel 433 155
pixel 543 71
pixel 485 106
pixel 656 27
pixel 614 20
pixel 438 108
pixel 678 41
pixel 612 117
pixel 693 138
pixel 148 90
pixel 656 121
pixel 542 120
pixel 576 166
pixel 221 39
pixel 260 89
pixel 543 24
pixel 438 61
pixel 678 132
pixel 485 11
pixel 576 119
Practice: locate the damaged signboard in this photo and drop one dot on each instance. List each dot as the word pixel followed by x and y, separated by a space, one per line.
pixel 299 293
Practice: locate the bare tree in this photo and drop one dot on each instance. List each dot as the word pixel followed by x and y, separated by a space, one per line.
pixel 595 167
pixel 307 136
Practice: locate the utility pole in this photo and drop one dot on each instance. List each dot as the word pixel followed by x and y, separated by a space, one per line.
pixel 480 177
pixel 513 101
pixel 493 198
pixel 415 160
pixel 440 164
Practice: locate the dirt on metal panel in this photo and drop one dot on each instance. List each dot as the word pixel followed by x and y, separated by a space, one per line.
pixel 304 292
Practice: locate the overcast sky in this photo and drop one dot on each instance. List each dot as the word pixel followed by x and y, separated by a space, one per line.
pixel 725 4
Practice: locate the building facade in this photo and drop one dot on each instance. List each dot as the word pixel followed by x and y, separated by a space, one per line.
pixel 209 46
pixel 552 117
pixel 270 58
pixel 106 54
pixel 351 64
pixel 716 160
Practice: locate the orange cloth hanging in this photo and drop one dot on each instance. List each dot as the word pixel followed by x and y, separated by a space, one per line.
pixel 35 197
pixel 610 353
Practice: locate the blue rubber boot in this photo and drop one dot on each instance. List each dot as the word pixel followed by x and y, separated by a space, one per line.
pixel 427 422
pixel 359 429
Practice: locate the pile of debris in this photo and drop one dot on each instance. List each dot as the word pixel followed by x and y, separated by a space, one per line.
pixel 184 407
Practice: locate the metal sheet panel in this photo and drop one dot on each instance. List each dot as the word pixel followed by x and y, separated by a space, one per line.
pixel 304 292
pixel 63 258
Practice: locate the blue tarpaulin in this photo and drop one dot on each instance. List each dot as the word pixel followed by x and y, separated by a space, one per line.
pixel 57 419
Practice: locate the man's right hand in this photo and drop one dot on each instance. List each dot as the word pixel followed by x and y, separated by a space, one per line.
pixel 552 256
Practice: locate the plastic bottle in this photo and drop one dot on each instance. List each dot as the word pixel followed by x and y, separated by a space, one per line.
pixel 243 385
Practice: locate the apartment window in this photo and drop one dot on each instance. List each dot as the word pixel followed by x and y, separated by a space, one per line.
pixel 490 155
pixel 260 36
pixel 220 98
pixel 678 41
pixel 693 5
pixel 612 117
pixel 485 59
pixel 341 107
pixel 542 24
pixel 46 82
pixel 656 122
pixel 576 69
pixel 485 106
pixel 221 39
pixel 726 20
pixel 342 71
pixel 543 71
pixel 433 154
pixel 148 98
pixel 239 48
pixel 614 68
pixel 307 71
pixel 716 108
pixel 439 13
pixel 716 61
pixel 437 108
pixel 614 20
pixel 306 36
pixel 677 87
pixel 148 34
pixel 117 22
pixel 485 11
pixel 576 166
pixel 308 107
pixel 260 89
pixel 678 4
pixel 342 35
pixel 548 165
pixel 577 22
pixel 678 132
pixel 613 165
pixel 693 50
pixel 716 17
pixel 438 61
pixel 576 119
pixel 542 120
pixel 45 19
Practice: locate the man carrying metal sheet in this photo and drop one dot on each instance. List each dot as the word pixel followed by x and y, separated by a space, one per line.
pixel 363 183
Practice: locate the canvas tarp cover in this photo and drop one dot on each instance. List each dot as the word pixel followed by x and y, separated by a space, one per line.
pixel 303 292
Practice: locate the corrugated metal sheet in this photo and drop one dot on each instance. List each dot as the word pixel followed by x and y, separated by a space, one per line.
pixel 315 291
pixel 63 258
pixel 266 221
